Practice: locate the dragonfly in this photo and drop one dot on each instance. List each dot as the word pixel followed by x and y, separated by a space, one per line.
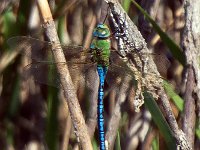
pixel 99 57
pixel 100 47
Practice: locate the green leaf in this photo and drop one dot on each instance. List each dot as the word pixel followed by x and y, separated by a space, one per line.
pixel 9 132
pixel 126 5
pixel 117 144
pixel 197 129
pixel 94 144
pixel 176 51
pixel 52 115
pixel 159 120
pixel 8 20
pixel 15 103
pixel 61 29
pixel 178 101
pixel 155 143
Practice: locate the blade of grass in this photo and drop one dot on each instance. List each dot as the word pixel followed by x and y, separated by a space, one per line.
pixel 52 120
pixel 117 144
pixel 94 144
pixel 178 101
pixel 9 133
pixel 126 5
pixel 160 121
pixel 197 130
pixel 155 143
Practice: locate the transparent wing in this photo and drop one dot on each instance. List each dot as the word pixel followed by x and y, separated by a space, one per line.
pixel 162 63
pixel 41 50
pixel 46 72
pixel 118 71
pixel 160 59
pixel 43 69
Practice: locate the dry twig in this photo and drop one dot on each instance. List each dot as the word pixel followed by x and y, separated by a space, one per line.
pixel 191 44
pixel 65 78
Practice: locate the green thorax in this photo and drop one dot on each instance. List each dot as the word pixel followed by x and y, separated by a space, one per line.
pixel 101 51
pixel 100 45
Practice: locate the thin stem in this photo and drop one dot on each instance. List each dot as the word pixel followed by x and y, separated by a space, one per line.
pixel 65 78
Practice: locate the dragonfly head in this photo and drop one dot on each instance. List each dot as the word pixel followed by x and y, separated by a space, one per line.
pixel 101 31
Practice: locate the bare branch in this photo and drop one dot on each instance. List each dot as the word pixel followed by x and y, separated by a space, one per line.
pixel 65 78
pixel 189 118
pixel 191 45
